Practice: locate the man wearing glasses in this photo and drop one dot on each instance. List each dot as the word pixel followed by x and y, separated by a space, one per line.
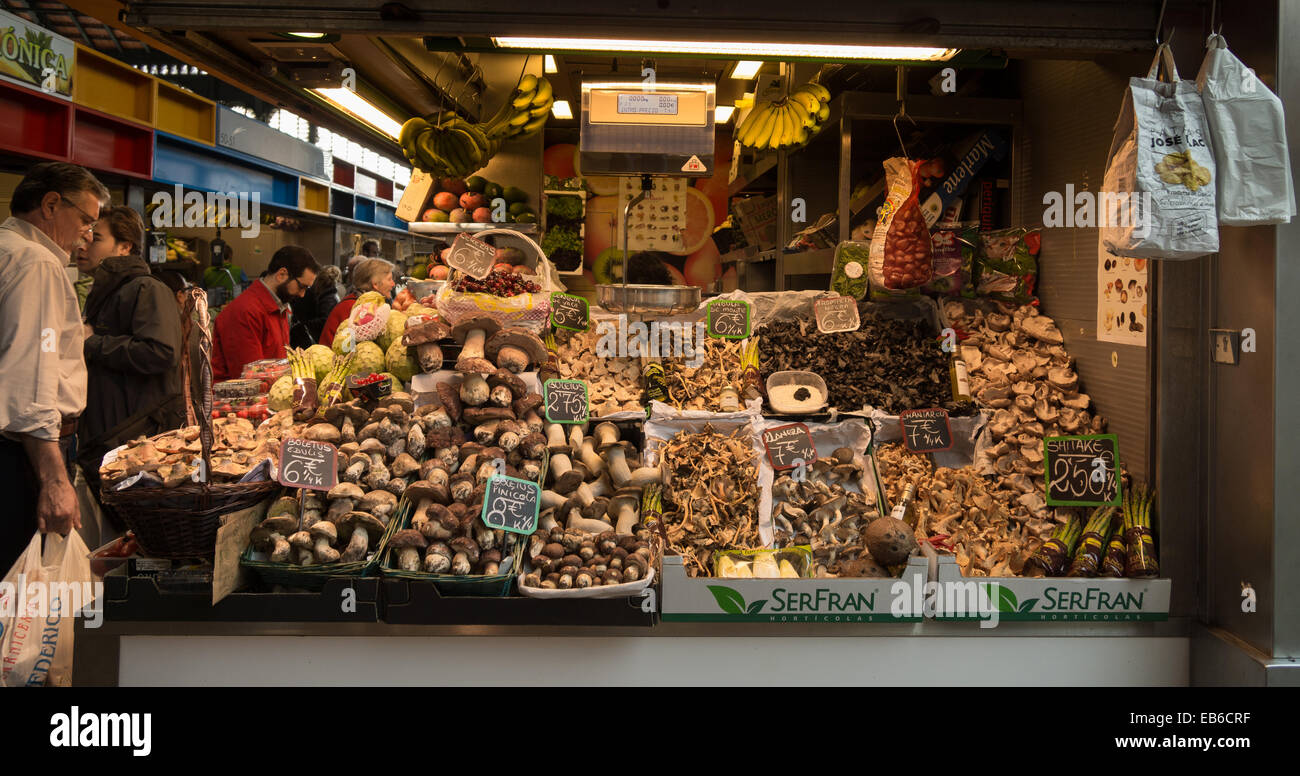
pixel 42 372
pixel 256 324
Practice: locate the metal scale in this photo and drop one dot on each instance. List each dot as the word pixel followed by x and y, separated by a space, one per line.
pixel 648 129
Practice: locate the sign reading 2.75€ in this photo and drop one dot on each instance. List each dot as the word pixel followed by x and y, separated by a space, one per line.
pixel 566 401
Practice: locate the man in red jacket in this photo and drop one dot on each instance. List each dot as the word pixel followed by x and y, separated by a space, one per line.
pixel 256 324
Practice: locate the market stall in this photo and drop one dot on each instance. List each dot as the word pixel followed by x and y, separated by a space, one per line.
pixel 629 398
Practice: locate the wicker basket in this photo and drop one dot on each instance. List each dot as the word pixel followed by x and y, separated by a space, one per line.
pixel 182 522
pixel 314 577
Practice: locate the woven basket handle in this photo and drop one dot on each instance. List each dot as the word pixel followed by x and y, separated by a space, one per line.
pixel 197 303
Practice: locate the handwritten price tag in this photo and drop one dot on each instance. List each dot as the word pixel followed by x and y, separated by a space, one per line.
pixel 471 256
pixel 569 312
pixel 566 401
pixel 1082 470
pixel 787 445
pixel 926 431
pixel 308 464
pixel 837 314
pixel 728 318
pixel 511 504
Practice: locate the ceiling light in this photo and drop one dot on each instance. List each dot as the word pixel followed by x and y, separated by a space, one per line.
pixel 746 69
pixel 736 49
pixel 548 64
pixel 560 109
pixel 361 109
pixel 722 114
pixel 311 35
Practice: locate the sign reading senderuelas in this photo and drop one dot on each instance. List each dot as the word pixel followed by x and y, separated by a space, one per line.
pixel 32 55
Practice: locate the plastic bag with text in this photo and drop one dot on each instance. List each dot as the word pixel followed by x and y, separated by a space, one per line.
pixel 38 599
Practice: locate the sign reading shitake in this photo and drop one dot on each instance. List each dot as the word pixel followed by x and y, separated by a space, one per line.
pixel 511 504
pixel 569 312
pixel 566 401
pixel 926 431
pixel 728 318
pixel 471 256
pixel 787 445
pixel 308 464
pixel 837 314
pixel 1082 471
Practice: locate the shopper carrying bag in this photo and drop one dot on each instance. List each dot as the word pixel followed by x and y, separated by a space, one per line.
pixel 1161 170
pixel 38 600
pixel 1248 132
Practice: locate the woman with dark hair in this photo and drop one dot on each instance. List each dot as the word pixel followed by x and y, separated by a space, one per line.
pixel 133 343
pixel 311 311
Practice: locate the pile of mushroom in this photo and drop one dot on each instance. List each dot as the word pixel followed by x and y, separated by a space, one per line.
pixel 710 495
pixel 594 482
pixel 573 559
pixel 168 460
pixel 824 514
pixel 613 384
pixel 1018 366
pixel 346 532
pixel 701 387
pixel 992 524
pixel 486 347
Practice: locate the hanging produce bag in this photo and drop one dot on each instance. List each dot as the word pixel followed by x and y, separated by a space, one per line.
pixel 53 587
pixel 1158 192
pixel 901 254
pixel 1248 130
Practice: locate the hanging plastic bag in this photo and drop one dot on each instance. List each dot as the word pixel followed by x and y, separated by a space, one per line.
pixel 901 253
pixel 38 599
pixel 1158 192
pixel 1248 131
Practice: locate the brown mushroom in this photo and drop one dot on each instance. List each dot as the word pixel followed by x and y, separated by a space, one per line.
pixel 408 543
pixel 450 398
pixel 360 529
pixel 515 349
pixel 424 337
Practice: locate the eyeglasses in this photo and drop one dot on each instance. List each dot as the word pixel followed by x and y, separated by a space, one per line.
pixel 87 220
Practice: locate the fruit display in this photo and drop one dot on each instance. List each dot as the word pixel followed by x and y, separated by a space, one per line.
pixel 497 283
pixel 710 495
pixel 473 200
pixel 788 122
pixel 446 145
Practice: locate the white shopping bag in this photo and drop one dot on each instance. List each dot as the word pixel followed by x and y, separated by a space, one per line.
pixel 1160 174
pixel 38 599
pixel 1248 131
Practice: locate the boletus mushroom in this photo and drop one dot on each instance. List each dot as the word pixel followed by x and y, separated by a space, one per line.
pixel 360 528
pixel 515 349
pixel 407 543
pixel 472 334
pixel 424 336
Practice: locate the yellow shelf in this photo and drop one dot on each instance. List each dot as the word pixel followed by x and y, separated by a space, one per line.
pixel 181 113
pixel 313 196
pixel 107 85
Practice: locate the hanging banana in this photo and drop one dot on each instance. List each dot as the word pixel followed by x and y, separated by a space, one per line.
pixel 787 123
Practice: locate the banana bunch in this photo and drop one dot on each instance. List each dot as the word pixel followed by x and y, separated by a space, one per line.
pixel 787 123
pixel 445 145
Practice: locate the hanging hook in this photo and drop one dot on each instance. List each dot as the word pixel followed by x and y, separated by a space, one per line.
pixel 902 108
pixel 1160 23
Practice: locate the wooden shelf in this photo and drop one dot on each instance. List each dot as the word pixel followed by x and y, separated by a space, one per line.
pixel 184 114
pixel 34 124
pixel 107 85
pixel 313 196
pixel 104 142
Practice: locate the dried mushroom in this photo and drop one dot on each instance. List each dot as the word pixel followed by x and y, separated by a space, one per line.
pixel 710 495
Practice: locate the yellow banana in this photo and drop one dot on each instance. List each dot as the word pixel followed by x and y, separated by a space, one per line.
pixel 824 113
pixel 802 117
pixel 819 90
pixel 544 93
pixel 522 101
pixel 747 133
pixel 410 130
pixel 533 125
pixel 540 110
pixel 785 129
pixel 519 119
pixel 768 127
pixel 807 99
pixel 526 84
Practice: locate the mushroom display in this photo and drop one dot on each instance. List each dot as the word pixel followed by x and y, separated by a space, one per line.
pixel 472 334
pixel 167 460
pixel 515 349
pixel 702 387
pixel 889 364
pixel 827 515
pixel 424 334
pixel 614 384
pixel 563 560
pixel 711 502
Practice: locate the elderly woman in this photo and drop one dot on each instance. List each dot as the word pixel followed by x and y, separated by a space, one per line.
pixel 368 275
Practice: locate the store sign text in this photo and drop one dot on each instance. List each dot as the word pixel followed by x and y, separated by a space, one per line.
pixel 821 600
pixel 1091 598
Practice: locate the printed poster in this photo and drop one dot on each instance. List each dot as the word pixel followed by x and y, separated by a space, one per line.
pixel 659 220
pixel 1122 295
pixel 34 56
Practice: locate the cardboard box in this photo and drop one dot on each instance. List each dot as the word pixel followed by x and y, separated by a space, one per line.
pixel 415 197
pixel 710 599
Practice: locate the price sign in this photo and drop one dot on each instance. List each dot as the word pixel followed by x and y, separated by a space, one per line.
pixel 566 401
pixel 569 312
pixel 836 314
pixel 1082 470
pixel 308 464
pixel 787 445
pixel 728 318
pixel 471 256
pixel 511 504
pixel 370 387
pixel 926 431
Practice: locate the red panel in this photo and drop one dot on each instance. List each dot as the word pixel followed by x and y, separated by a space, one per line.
pixel 384 190
pixel 344 174
pixel 104 142
pixel 33 123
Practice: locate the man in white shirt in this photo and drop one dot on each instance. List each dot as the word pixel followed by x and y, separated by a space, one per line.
pixel 42 371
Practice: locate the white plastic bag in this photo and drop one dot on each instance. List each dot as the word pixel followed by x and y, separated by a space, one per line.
pixel 1248 130
pixel 1158 192
pixel 38 599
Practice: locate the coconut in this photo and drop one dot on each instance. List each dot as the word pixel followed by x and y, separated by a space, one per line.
pixel 890 541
